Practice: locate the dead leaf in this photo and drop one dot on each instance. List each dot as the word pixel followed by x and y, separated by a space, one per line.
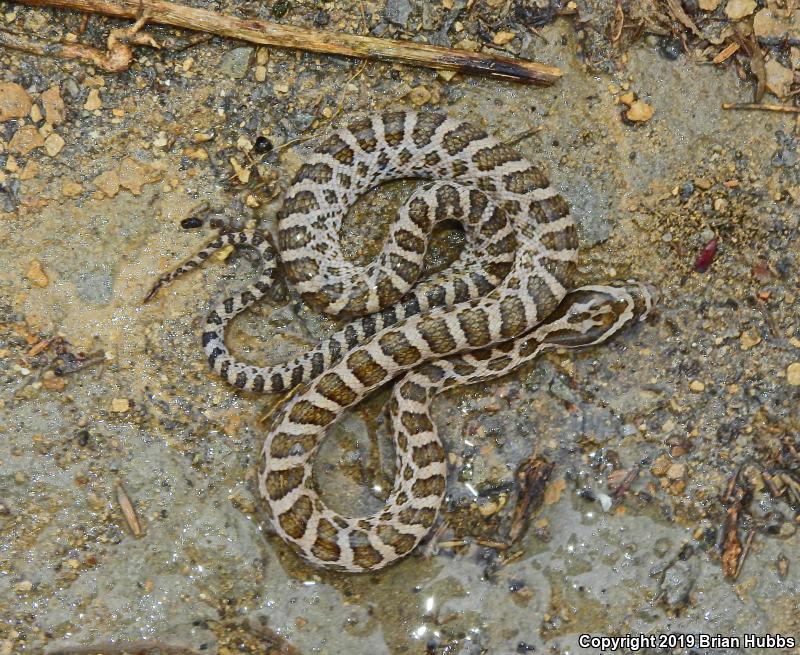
pixel 619 21
pixel 757 64
pixel 732 547
pixel 554 490
pixel 678 12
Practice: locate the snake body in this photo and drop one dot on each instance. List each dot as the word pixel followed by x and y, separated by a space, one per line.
pixel 457 327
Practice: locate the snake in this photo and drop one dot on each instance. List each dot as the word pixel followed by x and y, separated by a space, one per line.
pixel 507 297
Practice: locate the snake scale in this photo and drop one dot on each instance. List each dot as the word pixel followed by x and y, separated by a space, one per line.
pixel 456 327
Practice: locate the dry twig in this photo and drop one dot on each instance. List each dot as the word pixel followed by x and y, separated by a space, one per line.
pixel 128 510
pixel 619 493
pixel 755 106
pixel 726 52
pixel 141 647
pixel 745 552
pixel 333 43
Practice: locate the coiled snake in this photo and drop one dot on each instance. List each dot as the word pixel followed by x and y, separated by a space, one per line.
pixel 457 327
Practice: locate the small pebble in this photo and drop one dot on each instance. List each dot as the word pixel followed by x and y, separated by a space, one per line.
pixel 30 171
pixel 749 339
pixel 671 48
pixel 243 143
pixel 93 100
pixel 782 565
pixel 676 471
pixel 25 139
pixel 71 189
pixel 639 112
pixel 108 183
pixel 191 223
pixel 161 141
pixel 36 274
pixel 53 105
pixel 203 137
pixel 793 374
pixel 502 38
pixel 419 96
pixel 398 11
pixel 770 23
pixel 280 8
pixel 321 18
pixel 71 88
pixel 660 466
pixel 120 405
pixel 262 145
pixel 662 546
pixel 779 79
pixel 236 62
pixel 736 9
pixel 35 113
pixel 53 144
pixel 222 254
pixel 696 386
pixel 14 101
pixel 605 501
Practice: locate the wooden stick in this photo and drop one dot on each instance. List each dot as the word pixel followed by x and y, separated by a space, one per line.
pixel 333 43
pixel 756 106
pixel 122 647
pixel 726 52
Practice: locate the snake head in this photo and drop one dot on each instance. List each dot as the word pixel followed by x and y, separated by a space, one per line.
pixel 592 314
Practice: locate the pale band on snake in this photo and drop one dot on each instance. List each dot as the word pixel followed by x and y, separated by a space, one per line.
pixel 508 297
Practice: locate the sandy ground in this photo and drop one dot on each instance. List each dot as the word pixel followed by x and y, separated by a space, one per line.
pixel 104 398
